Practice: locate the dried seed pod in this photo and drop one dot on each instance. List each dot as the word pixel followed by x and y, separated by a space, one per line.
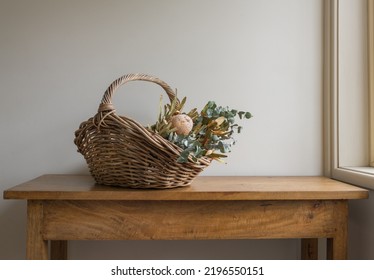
pixel 182 123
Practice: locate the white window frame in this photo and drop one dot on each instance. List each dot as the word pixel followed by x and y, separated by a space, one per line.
pixel 371 77
pixel 361 176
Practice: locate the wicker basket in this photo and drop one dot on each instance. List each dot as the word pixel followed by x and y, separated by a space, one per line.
pixel 121 152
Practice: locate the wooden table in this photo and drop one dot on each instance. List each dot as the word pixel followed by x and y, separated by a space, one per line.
pixel 73 207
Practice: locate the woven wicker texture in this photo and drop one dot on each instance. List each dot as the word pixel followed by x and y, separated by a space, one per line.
pixel 121 152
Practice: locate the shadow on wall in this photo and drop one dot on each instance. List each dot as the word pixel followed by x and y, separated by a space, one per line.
pixel 361 229
pixel 13 230
pixel 185 250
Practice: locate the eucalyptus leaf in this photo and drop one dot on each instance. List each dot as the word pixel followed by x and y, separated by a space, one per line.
pixel 248 115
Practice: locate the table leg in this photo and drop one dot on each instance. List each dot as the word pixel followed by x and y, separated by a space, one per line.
pixel 337 248
pixel 37 247
pixel 337 245
pixel 309 249
pixel 59 250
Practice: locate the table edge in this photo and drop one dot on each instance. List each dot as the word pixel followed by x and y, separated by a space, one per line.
pixel 110 194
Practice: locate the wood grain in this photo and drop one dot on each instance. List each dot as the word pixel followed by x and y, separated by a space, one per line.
pixel 83 187
pixel 59 250
pixel 37 247
pixel 309 249
pixel 178 220
pixel 337 245
pixel 73 207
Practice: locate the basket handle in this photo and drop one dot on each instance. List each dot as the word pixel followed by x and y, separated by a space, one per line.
pixel 106 101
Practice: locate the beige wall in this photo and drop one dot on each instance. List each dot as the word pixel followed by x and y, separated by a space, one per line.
pixel 353 84
pixel 58 57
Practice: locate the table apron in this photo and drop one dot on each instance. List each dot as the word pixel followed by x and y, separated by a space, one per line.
pixel 182 220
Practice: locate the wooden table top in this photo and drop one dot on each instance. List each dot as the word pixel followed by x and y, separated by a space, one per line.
pixel 83 187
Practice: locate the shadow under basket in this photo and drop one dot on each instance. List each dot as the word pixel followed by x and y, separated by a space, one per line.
pixel 121 152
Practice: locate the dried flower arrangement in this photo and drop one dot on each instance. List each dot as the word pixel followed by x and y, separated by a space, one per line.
pixel 208 133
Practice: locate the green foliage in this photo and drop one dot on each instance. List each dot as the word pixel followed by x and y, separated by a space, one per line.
pixel 212 132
